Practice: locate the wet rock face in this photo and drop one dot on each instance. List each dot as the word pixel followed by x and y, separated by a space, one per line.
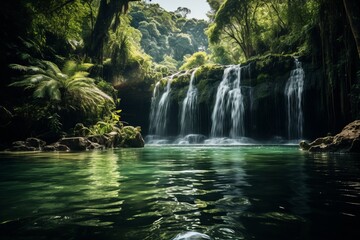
pixel 30 144
pixel 136 142
pixel 348 140
pixel 131 139
pixel 75 143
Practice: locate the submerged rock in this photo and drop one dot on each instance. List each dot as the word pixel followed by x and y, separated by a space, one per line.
pixel 191 236
pixel 348 140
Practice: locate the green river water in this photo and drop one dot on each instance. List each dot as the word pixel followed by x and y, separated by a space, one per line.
pixel 238 192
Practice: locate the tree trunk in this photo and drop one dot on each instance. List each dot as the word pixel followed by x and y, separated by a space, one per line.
pixel 352 10
pixel 107 11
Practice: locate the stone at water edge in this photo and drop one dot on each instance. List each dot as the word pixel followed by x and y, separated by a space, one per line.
pixel 304 145
pixel 31 144
pixel 348 140
pixel 35 142
pixel 75 143
pixel 137 142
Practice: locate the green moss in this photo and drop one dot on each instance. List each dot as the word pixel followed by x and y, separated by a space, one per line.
pixel 262 77
pixel 181 80
pixel 129 132
pixel 210 71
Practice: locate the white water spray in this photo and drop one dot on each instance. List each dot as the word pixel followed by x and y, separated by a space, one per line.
pixel 189 110
pixel 294 95
pixel 160 106
pixel 229 103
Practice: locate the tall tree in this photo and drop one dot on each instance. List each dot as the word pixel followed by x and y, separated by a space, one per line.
pixel 108 11
pixel 352 10
pixel 236 21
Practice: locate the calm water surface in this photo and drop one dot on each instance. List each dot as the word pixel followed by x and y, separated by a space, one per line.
pixel 157 192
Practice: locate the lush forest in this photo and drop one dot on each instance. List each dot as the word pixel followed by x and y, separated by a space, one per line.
pixel 64 63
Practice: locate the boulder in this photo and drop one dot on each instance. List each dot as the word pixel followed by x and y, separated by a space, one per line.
pixel 115 138
pixel 49 148
pixel 348 140
pixel 304 145
pixel 35 142
pixel 61 148
pixel 93 146
pixel 75 143
pixel 21 146
pixel 136 142
pixel 102 140
pixel 56 147
pixel 31 144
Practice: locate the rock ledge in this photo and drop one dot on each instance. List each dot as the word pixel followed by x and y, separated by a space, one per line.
pixel 348 140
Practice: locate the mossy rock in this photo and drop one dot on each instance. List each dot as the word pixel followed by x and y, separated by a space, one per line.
pixel 207 91
pixel 273 64
pixel 210 72
pixel 262 77
pixel 131 137
pixel 181 80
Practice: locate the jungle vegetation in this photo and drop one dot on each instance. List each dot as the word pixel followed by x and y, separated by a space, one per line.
pixel 63 58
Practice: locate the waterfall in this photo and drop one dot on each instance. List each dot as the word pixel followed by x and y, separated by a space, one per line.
pixel 153 107
pixel 189 110
pixel 293 93
pixel 160 106
pixel 229 103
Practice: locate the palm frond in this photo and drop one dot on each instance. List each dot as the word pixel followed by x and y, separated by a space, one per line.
pixel 40 90
pixel 85 66
pixel 34 79
pixel 49 89
pixel 23 68
pixel 54 91
pixel 71 89
pixel 52 67
pixel 70 68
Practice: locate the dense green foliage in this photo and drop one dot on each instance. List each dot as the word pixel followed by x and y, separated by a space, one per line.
pixel 69 89
pixel 196 60
pixel 45 50
pixel 167 35
pixel 326 32
pixel 258 27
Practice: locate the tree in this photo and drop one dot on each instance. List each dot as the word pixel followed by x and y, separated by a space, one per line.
pixel 236 21
pixel 195 60
pixel 108 11
pixel 183 11
pixel 196 29
pixel 181 44
pixel 214 5
pixel 352 10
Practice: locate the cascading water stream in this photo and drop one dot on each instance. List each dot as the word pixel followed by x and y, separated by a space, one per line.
pixel 294 96
pixel 229 103
pixel 189 110
pixel 160 106
pixel 153 107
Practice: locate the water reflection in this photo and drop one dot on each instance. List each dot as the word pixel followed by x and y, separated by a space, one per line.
pixel 157 193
